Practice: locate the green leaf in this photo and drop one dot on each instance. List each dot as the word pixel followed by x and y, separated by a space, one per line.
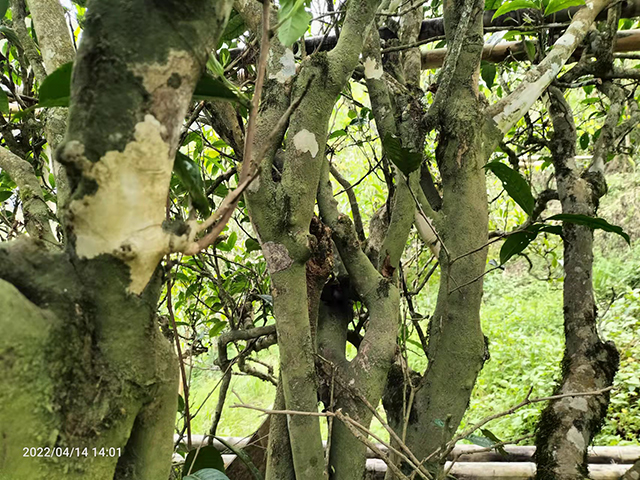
pixel 235 27
pixel 479 440
pixel 207 474
pixel 251 245
pixel 208 457
pixel 180 404
pixel 336 134
pixel 209 88
pixel 4 101
pixel 584 140
pixel 556 5
pixel 488 72
pixel 590 100
pixel 515 185
pixel 515 5
pixel 530 48
pixel 492 4
pixel 188 172
pixel 515 243
pixel 406 160
pixel 491 436
pixel 217 328
pixel 294 21
pixel 56 88
pixel 518 241
pixel 10 35
pixel 592 222
pixel 4 6
pixel 5 195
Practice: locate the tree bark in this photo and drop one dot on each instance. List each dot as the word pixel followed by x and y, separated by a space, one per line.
pixel 86 363
pixel 568 425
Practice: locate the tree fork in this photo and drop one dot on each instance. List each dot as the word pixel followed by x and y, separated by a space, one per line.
pixel 87 365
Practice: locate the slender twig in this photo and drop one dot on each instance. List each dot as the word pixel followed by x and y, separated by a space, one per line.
pixel 527 401
pixel 183 373
pixel 475 279
pixel 427 220
pixel 220 217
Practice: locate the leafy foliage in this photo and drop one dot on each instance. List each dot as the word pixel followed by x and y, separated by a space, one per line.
pixel 556 5
pixel 206 457
pixel 207 474
pixel 293 19
pixel 592 222
pixel 406 160
pixel 512 5
pixel 515 185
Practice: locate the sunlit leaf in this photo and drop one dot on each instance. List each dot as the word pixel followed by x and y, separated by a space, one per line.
pixel 294 21
pixel 515 5
pixel 217 328
pixel 556 5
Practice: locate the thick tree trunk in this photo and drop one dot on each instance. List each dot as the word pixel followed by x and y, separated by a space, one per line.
pixel 568 425
pixel 455 336
pixel 86 366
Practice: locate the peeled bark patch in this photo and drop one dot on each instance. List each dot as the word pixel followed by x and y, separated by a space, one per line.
pixel 372 70
pixel 287 67
pixel 277 256
pixel 305 141
pixel 124 217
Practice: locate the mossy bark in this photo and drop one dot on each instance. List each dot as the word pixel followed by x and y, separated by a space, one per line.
pixel 86 364
pixel 456 349
pixel 568 425
pixel 281 204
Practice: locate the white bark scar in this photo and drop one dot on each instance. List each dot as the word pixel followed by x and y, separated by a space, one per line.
pixel 305 141
pixel 576 438
pixel 371 70
pixel 288 69
pixel 124 217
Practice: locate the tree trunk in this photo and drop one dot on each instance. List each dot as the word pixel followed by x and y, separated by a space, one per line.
pixel 86 365
pixel 568 425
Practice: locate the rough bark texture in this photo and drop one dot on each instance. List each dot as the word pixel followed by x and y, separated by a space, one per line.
pixel 361 380
pixel 455 337
pixel 281 204
pixel 34 208
pixel 56 47
pixel 86 363
pixel 568 425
